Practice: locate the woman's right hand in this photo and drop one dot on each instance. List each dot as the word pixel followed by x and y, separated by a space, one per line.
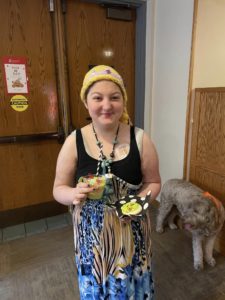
pixel 80 192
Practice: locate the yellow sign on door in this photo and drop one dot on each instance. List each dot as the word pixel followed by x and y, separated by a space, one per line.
pixel 19 103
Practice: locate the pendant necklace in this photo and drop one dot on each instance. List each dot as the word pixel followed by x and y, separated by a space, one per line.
pixel 103 161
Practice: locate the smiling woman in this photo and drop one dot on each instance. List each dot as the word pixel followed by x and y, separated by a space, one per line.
pixel 113 254
pixel 105 102
pixel 104 73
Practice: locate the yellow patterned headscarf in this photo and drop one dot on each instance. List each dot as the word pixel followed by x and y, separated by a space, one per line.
pixel 103 72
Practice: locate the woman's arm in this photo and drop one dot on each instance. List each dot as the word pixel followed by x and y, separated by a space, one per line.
pixel 63 189
pixel 150 168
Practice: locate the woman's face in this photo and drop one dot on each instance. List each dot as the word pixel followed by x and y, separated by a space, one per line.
pixel 105 102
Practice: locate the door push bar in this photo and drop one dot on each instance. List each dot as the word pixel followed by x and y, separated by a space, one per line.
pixel 60 136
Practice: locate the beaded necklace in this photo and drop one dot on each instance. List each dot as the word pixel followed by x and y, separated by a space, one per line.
pixel 103 161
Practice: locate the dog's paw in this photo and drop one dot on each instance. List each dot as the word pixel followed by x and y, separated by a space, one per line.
pixel 159 229
pixel 173 226
pixel 198 266
pixel 211 261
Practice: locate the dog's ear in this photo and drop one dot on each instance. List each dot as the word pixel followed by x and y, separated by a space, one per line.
pixel 213 216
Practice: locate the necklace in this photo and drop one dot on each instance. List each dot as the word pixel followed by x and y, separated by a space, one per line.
pixel 103 162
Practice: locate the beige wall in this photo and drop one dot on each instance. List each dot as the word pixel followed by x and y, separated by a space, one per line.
pixel 209 44
pixel 169 28
pixel 169 31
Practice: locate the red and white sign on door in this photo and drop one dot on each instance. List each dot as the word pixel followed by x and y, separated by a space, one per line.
pixel 15 75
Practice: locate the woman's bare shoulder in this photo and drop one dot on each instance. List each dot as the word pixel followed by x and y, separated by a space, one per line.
pixel 69 147
pixel 86 129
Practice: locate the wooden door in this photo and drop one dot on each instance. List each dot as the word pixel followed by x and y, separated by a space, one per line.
pixel 207 162
pixel 27 168
pixel 92 39
pixel 28 139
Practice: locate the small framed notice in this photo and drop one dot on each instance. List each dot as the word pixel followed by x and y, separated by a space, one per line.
pixel 15 75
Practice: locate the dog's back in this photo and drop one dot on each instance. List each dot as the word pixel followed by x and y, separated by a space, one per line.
pixel 177 189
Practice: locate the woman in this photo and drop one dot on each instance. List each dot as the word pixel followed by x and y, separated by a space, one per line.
pixel 113 255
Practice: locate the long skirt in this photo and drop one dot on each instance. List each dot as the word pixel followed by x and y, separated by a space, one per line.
pixel 113 257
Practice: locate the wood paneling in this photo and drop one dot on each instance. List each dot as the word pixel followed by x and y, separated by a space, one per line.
pixel 88 34
pixel 207 163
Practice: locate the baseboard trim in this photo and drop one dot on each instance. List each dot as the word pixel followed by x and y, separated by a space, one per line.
pixel 31 213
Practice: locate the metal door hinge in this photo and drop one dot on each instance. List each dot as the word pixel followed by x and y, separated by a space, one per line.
pixel 63 6
pixel 51 6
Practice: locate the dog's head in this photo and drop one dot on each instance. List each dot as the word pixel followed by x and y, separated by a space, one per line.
pixel 202 216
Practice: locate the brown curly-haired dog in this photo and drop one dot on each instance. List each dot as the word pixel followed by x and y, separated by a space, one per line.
pixel 201 213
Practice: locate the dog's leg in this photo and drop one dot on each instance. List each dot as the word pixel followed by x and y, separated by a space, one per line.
pixel 197 251
pixel 164 210
pixel 208 247
pixel 171 218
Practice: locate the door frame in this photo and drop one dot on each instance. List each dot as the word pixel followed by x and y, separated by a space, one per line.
pixel 140 54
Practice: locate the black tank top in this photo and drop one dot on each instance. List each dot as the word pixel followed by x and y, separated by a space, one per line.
pixel 128 168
